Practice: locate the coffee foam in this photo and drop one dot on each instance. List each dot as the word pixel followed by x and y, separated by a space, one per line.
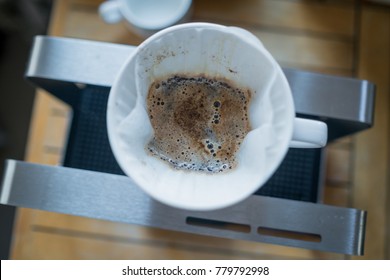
pixel 199 123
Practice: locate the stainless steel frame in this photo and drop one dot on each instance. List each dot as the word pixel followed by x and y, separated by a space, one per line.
pixel 63 66
pixel 261 219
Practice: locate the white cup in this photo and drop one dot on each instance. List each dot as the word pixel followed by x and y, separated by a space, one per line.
pixel 146 17
pixel 217 51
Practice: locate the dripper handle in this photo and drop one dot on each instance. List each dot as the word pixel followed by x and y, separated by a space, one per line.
pixel 309 134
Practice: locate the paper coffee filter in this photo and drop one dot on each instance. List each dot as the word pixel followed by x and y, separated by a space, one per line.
pixel 214 53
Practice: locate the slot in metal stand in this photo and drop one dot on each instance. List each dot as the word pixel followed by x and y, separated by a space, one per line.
pixel 68 67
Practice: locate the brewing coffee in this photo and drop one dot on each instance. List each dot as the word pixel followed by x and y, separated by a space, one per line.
pixel 198 122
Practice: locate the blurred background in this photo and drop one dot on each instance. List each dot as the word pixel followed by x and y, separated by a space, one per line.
pixel 20 21
pixel 348 38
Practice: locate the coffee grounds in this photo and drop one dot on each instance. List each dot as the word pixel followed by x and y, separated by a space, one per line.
pixel 199 123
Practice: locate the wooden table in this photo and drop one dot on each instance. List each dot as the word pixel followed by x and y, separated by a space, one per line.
pixel 335 37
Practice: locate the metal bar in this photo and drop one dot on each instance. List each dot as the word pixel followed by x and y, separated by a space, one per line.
pixel 116 198
pixel 76 60
pixel 61 65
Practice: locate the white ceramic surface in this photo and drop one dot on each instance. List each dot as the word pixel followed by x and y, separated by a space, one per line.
pixel 146 16
pixel 218 51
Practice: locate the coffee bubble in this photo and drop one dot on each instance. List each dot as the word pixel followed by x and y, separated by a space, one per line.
pixel 198 122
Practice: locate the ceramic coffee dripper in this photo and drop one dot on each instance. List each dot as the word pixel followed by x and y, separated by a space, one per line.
pixel 216 51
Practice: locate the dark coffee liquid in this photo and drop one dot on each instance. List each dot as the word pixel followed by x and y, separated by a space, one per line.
pixel 199 123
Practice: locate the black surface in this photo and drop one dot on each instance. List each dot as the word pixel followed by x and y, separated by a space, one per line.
pixel 16 100
pixel 6 224
pixel 19 22
pixel 88 148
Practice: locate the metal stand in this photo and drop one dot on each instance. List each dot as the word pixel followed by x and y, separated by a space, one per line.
pixel 70 69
